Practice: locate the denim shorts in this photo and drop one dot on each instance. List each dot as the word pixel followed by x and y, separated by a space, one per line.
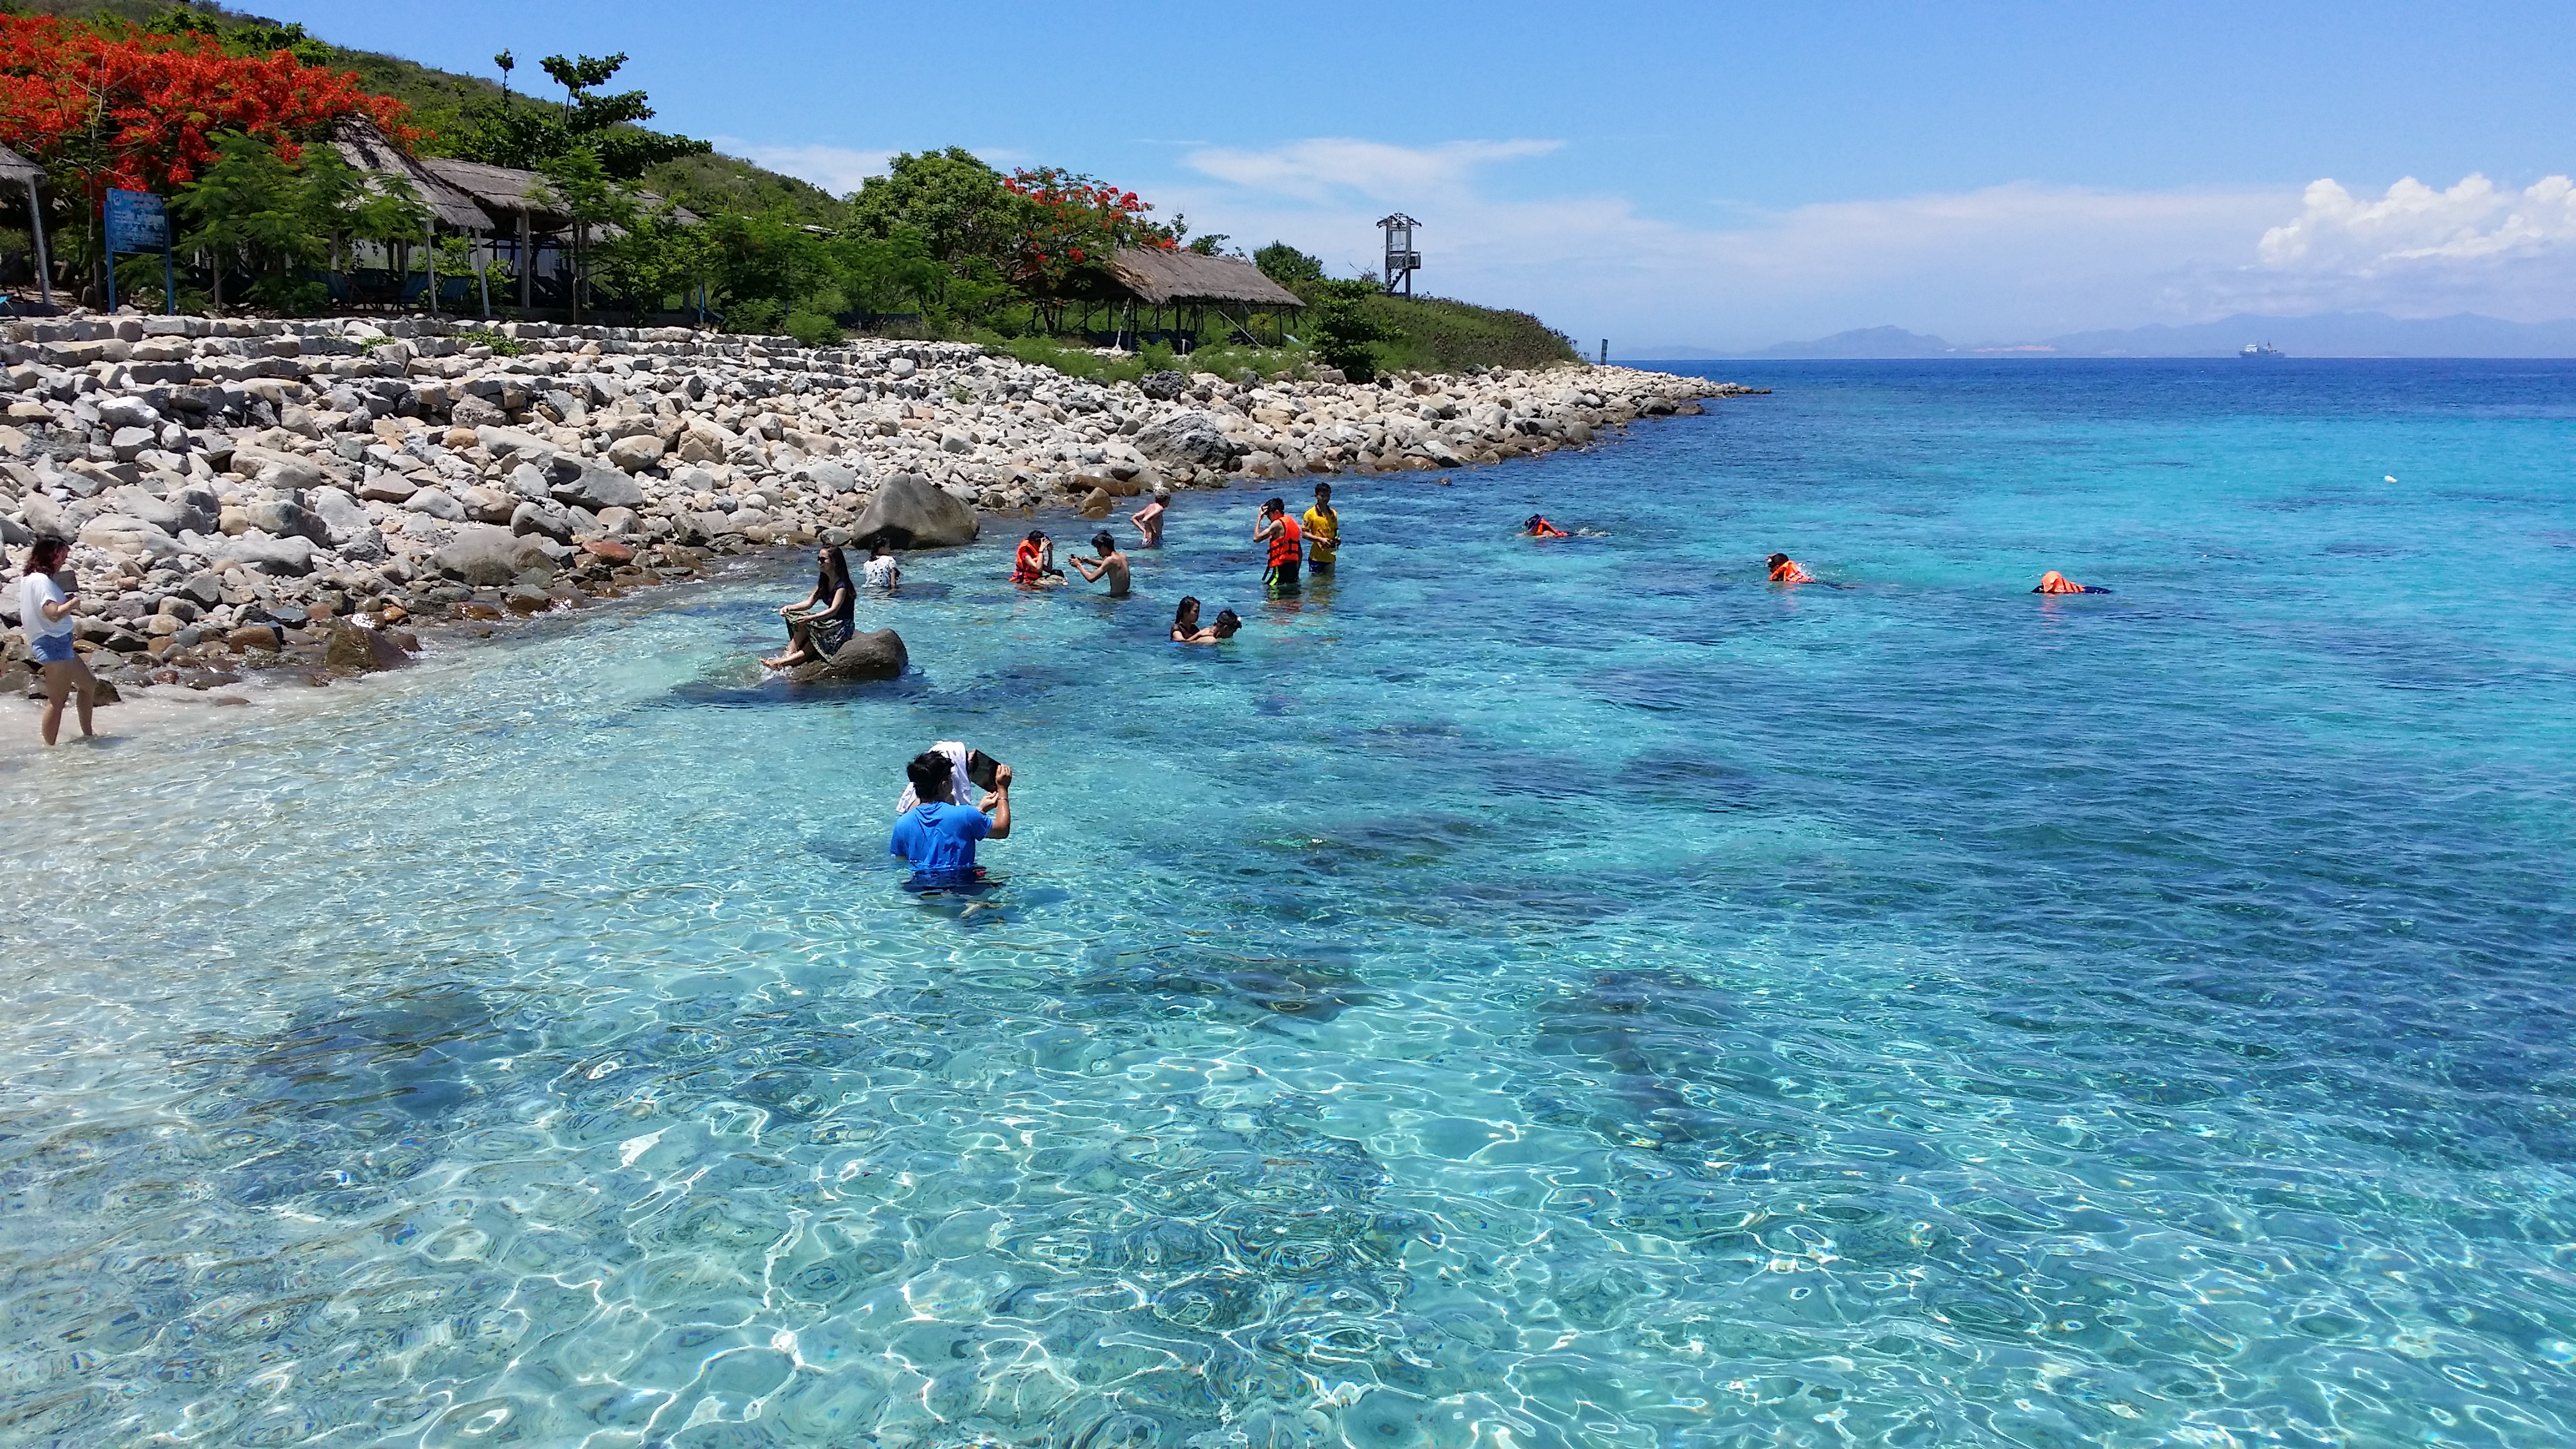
pixel 52 648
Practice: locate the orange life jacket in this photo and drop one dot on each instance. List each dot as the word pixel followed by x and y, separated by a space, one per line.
pixel 1285 546
pixel 1025 568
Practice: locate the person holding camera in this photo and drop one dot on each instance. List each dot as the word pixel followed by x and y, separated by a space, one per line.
pixel 45 602
pixel 937 833
pixel 1110 564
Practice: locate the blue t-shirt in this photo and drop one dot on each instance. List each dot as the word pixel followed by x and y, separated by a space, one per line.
pixel 939 839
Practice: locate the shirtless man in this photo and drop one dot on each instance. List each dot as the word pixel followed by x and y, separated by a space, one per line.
pixel 1149 520
pixel 1111 564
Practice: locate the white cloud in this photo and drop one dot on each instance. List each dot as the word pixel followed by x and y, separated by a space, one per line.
pixel 2002 263
pixel 1322 169
pixel 2473 221
pixel 837 169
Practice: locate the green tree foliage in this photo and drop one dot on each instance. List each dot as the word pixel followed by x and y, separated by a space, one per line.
pixel 958 205
pixel 270 224
pixel 609 125
pixel 1345 330
pixel 578 185
pixel 1288 266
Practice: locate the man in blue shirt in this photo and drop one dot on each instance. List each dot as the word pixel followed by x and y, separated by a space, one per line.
pixel 938 835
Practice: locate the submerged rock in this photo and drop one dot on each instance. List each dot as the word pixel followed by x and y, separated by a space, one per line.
pixel 880 655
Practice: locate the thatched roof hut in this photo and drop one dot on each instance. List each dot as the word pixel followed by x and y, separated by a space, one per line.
pixel 18 170
pixel 1177 278
pixel 368 150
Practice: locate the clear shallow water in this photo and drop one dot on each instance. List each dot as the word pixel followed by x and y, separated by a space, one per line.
pixel 1524 995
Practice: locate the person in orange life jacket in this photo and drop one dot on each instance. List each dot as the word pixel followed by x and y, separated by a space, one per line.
pixel 1035 561
pixel 938 835
pixel 1287 546
pixel 1785 570
pixel 1539 527
pixel 2053 582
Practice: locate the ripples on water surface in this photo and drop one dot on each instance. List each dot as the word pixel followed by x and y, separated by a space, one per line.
pixel 1527 995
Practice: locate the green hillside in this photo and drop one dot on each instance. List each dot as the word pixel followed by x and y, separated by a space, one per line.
pixel 876 259
pixel 440 99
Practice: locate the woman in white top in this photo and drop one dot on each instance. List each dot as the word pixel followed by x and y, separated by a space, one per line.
pixel 880 571
pixel 45 616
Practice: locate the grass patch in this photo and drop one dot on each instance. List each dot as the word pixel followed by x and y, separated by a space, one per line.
pixel 1441 335
pixel 501 343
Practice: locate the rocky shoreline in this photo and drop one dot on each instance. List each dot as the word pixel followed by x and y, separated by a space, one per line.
pixel 307 496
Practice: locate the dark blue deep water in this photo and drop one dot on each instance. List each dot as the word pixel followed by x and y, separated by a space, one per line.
pixel 1521 994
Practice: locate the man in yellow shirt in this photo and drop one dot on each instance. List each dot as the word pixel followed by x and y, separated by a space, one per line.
pixel 1323 531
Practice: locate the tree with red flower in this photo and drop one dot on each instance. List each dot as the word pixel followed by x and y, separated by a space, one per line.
pixel 1067 227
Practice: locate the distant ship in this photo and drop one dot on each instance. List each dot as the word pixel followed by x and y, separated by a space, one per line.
pixel 2260 349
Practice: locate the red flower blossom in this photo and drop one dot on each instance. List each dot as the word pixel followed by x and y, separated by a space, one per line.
pixel 137 111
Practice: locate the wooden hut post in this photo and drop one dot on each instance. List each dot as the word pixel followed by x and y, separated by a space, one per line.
pixel 36 225
pixel 527 269
pixel 483 278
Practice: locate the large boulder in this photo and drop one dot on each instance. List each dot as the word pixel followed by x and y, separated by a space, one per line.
pixel 354 649
pixel 636 452
pixel 489 557
pixel 830 479
pixel 189 508
pixel 587 485
pixel 286 557
pixel 1162 386
pixel 534 517
pixel 343 517
pixel 119 533
pixel 1191 438
pixel 879 655
pixel 909 513
pixel 512 442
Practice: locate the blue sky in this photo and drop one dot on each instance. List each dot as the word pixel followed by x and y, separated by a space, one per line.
pixel 1726 175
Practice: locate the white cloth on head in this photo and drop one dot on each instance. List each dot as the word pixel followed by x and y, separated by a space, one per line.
pixel 961 790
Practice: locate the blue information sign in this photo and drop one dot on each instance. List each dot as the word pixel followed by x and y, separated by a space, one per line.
pixel 136 222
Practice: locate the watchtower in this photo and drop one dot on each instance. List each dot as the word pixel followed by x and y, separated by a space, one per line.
pixel 1402 261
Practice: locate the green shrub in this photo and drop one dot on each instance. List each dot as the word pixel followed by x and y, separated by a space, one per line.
pixel 501 343
pixel 812 328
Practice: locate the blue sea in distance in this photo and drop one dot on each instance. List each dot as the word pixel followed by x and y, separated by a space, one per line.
pixel 1520 994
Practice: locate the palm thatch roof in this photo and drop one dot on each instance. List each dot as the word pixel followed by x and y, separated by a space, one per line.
pixel 1165 278
pixel 18 169
pixel 368 149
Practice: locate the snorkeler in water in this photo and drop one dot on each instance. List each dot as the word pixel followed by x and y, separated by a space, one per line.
pixel 1785 570
pixel 1539 527
pixel 2053 582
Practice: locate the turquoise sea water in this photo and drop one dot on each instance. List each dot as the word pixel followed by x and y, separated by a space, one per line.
pixel 1519 995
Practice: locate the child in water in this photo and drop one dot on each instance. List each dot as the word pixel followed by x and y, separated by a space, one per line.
pixel 1539 527
pixel 1785 570
pixel 2053 582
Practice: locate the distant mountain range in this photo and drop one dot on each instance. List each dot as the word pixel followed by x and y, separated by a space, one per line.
pixel 2330 334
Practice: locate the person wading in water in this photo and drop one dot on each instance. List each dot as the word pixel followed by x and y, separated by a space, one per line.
pixel 1287 547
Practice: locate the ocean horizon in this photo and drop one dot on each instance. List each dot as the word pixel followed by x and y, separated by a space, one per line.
pixel 1518 993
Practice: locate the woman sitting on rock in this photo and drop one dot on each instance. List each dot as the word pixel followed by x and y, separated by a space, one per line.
pixel 819 623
